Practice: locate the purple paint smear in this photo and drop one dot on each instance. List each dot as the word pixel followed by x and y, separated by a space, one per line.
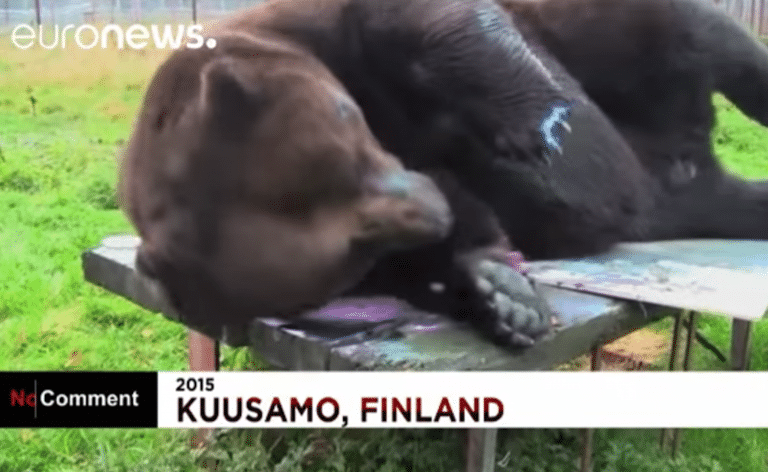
pixel 373 310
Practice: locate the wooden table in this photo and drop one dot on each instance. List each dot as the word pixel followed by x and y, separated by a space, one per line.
pixel 386 334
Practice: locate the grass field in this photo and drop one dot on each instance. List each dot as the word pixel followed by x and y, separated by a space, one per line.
pixel 57 176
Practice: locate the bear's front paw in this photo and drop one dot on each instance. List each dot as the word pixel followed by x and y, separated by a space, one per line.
pixel 519 316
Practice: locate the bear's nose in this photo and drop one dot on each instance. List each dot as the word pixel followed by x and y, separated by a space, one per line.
pixel 425 200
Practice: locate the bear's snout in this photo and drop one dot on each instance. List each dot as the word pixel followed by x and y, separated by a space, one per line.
pixel 405 208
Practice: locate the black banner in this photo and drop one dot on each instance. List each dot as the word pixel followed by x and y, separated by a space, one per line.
pixel 78 399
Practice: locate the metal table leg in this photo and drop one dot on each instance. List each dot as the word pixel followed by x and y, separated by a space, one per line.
pixel 676 434
pixel 588 434
pixel 481 450
pixel 741 331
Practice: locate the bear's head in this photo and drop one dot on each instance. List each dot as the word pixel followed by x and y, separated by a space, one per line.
pixel 257 187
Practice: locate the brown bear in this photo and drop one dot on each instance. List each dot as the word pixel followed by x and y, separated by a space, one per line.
pixel 652 66
pixel 257 187
pixel 259 190
pixel 563 126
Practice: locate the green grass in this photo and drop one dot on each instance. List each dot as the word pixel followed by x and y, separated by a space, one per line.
pixel 57 198
pixel 57 177
pixel 740 143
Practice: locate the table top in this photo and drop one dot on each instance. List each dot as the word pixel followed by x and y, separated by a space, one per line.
pixel 384 333
pixel 727 277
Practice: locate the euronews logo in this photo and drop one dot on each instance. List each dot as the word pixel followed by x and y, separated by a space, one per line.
pixel 87 36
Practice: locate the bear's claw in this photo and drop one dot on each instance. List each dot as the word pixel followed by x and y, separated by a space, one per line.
pixel 521 315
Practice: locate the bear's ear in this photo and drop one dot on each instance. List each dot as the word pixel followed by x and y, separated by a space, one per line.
pixel 230 101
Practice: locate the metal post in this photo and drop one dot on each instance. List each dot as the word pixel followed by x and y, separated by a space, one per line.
pixel 675 340
pixel 481 450
pixel 690 339
pixel 672 358
pixel 740 344
pixel 588 434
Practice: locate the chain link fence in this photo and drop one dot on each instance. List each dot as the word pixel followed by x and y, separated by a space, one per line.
pixel 753 14
pixel 64 12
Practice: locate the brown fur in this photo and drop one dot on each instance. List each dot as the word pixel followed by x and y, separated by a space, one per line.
pixel 259 189
pixel 251 164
